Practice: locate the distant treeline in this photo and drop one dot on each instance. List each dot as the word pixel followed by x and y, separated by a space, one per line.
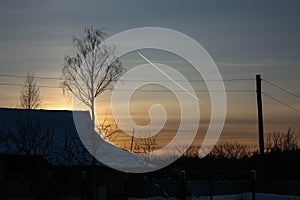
pixel 230 160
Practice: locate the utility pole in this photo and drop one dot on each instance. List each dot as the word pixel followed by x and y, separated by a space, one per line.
pixel 260 114
pixel 132 140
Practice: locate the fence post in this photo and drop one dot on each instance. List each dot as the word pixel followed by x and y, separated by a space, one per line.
pixel 211 188
pixel 253 183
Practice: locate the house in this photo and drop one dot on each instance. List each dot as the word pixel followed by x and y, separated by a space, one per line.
pixel 42 157
pixel 41 152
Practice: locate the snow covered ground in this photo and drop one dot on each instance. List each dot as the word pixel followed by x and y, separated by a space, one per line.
pixel 245 196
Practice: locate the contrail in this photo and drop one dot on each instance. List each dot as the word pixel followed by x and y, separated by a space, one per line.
pixel 170 78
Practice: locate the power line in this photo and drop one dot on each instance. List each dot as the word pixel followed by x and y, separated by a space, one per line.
pixel 55 78
pixel 286 91
pixel 21 85
pixel 281 102
pixel 208 80
pixel 22 76
pixel 138 90
pixel 181 90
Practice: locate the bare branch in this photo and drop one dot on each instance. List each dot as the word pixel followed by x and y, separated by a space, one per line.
pixel 88 74
pixel 30 93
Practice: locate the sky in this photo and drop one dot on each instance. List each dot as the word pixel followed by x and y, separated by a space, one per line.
pixel 244 38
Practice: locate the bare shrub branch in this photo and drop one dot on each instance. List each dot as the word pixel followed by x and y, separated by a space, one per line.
pixel 30 93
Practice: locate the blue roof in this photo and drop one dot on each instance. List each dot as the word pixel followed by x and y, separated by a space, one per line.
pixel 49 133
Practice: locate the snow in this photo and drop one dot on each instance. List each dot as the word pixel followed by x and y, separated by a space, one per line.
pixel 120 159
pixel 244 196
pixel 70 124
pixel 107 153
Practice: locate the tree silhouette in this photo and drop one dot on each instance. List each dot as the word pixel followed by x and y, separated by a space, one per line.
pixel 28 136
pixel 281 141
pixel 30 93
pixel 87 74
pixel 230 149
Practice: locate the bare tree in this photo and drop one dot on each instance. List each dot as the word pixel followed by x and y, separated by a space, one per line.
pixel 30 93
pixel 29 136
pixel 192 151
pixel 87 74
pixel 230 149
pixel 108 129
pixel 146 144
pixel 73 152
pixel 282 141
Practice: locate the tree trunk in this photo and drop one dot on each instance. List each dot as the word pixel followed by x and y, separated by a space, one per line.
pixel 94 185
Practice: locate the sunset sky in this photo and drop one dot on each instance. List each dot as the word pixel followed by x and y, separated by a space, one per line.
pixel 244 38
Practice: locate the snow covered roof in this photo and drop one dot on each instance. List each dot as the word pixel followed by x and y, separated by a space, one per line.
pixel 28 132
